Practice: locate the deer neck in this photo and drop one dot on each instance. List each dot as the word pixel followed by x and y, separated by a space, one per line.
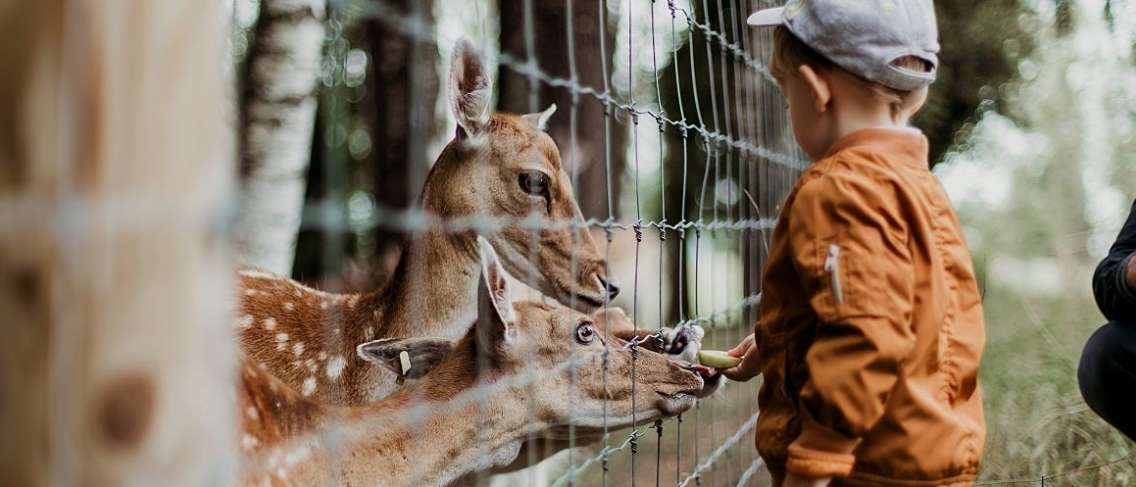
pixel 427 440
pixel 434 288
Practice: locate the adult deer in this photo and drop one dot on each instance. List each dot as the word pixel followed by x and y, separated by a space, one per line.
pixel 510 376
pixel 497 165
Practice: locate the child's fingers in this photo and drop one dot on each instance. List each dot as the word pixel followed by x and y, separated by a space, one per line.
pixel 747 369
pixel 742 348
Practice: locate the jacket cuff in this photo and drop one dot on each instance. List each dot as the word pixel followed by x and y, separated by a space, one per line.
pixel 821 452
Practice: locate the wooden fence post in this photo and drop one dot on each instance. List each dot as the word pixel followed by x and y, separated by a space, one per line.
pixel 116 355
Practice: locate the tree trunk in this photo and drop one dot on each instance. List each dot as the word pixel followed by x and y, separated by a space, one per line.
pixel 117 360
pixel 550 42
pixel 278 108
pixel 394 105
pixel 399 106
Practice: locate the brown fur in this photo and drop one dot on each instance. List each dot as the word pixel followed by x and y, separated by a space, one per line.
pixel 280 426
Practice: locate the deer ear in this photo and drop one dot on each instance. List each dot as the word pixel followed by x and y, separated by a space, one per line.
pixel 539 120
pixel 421 354
pixel 495 315
pixel 469 89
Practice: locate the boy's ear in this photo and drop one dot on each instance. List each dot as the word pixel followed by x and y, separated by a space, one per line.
pixel 818 86
pixel 422 354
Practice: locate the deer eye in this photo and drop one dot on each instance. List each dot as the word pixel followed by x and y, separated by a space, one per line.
pixel 585 334
pixel 534 183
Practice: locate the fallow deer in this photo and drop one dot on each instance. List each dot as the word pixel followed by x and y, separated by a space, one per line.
pixel 520 369
pixel 497 165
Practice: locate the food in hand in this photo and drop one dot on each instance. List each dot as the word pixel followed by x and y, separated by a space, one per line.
pixel 718 359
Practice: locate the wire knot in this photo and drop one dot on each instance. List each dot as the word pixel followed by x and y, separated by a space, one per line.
pixel 638 232
pixel 659 427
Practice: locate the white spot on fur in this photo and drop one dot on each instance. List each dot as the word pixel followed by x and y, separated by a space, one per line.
pixel 255 274
pixel 323 304
pixel 251 413
pixel 270 324
pixel 298 348
pixel 297 455
pixel 352 300
pixel 322 355
pixel 298 292
pixel 309 386
pixel 248 442
pixel 245 321
pixel 335 367
pixel 250 292
pixel 281 341
pixel 311 365
pixel 288 306
pixel 369 333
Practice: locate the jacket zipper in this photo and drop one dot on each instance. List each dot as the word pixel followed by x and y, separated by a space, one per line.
pixel 832 267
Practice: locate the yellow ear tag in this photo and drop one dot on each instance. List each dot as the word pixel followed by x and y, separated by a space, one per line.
pixel 404 357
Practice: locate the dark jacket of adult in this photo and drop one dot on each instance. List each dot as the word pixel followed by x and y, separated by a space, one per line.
pixel 1117 300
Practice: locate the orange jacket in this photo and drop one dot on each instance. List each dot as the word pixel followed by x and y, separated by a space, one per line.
pixel 871 325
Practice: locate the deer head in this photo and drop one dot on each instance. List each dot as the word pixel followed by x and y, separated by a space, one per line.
pixel 507 166
pixel 522 369
pixel 549 341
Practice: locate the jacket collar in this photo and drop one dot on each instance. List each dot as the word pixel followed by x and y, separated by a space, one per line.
pixel 907 145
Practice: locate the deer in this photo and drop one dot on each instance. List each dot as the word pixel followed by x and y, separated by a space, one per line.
pixel 499 165
pixel 521 368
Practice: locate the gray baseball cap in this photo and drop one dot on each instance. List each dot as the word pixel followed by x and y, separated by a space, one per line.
pixel 864 36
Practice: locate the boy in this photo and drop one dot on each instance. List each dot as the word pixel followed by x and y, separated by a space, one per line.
pixel 871 324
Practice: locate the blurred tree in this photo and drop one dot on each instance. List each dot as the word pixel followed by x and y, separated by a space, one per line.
pixel 383 88
pixel 116 158
pixel 551 53
pixel 277 111
pixel 982 44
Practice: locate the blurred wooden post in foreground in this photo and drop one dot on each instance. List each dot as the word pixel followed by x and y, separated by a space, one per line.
pixel 115 353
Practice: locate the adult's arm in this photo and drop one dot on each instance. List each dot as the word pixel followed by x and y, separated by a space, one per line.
pixel 1115 293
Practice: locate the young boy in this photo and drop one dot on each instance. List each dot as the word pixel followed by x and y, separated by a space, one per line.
pixel 871 324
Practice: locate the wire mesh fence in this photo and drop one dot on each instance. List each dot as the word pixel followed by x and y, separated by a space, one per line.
pixel 694 156
pixel 678 151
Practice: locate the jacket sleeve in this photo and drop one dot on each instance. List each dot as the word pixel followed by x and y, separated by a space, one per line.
pixel 850 243
pixel 1116 299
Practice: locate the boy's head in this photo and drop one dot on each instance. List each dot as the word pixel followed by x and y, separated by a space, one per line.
pixel 849 64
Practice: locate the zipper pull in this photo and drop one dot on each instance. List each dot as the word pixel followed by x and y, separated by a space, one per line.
pixel 832 267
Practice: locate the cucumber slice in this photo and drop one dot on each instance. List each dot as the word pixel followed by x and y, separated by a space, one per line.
pixel 717 359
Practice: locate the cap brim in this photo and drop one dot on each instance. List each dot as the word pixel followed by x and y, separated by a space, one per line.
pixel 769 17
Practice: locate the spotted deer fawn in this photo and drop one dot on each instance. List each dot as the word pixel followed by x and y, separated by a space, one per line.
pixel 497 165
pixel 507 378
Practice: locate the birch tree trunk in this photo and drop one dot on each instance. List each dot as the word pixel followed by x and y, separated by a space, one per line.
pixel 278 109
pixel 116 366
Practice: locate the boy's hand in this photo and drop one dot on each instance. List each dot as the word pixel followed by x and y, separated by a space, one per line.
pixel 747 350
pixel 794 480
pixel 1131 272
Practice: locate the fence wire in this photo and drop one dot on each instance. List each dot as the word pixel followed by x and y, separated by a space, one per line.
pixel 726 139
pixel 720 134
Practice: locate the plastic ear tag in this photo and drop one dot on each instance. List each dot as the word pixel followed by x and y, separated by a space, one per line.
pixel 404 358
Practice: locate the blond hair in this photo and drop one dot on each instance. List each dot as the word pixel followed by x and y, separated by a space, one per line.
pixel 790 53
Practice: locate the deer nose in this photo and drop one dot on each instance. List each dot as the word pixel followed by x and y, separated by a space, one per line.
pixel 612 289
